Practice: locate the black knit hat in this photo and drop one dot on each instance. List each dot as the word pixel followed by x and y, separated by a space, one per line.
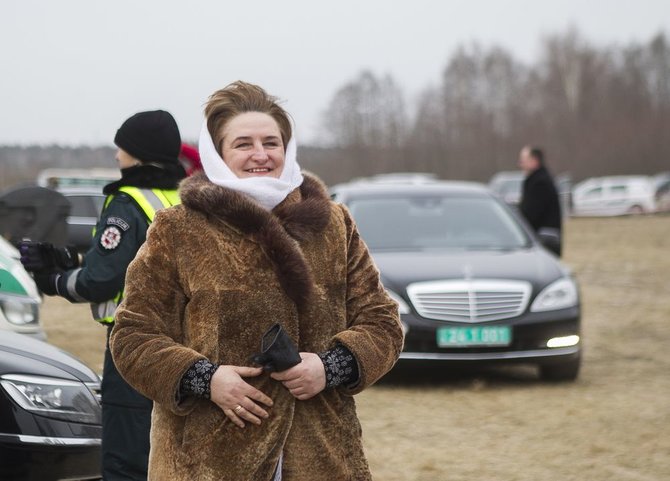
pixel 150 137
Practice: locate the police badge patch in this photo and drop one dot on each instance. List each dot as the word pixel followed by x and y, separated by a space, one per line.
pixel 110 238
pixel 119 222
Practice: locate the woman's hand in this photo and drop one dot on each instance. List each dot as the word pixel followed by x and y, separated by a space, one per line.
pixel 304 380
pixel 237 398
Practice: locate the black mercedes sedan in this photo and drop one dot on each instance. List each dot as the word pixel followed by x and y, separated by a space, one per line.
pixel 472 281
pixel 50 415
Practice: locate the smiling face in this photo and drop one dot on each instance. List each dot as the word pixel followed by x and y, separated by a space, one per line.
pixel 252 146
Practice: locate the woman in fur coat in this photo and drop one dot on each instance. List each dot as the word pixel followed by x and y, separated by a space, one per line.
pixel 255 243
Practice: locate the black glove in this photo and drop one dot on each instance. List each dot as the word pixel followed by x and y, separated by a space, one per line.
pixel 278 352
pixel 44 257
pixel 46 282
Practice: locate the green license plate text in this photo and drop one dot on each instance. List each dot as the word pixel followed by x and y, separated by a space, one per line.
pixel 474 336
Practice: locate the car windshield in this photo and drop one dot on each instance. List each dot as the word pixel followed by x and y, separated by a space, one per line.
pixel 436 222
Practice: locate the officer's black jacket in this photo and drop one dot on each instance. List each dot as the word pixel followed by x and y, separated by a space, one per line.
pixel 120 232
pixel 103 271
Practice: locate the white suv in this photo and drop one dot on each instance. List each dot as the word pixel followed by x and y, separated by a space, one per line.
pixel 616 195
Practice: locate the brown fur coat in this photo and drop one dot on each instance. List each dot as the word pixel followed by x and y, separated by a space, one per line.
pixel 213 275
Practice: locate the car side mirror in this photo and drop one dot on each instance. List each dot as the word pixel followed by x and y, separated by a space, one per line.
pixel 551 239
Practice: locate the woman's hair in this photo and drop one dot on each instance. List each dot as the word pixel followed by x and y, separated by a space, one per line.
pixel 240 97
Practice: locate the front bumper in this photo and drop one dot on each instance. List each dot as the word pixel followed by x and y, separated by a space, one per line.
pixel 35 447
pixel 528 356
pixel 530 333
pixel 48 459
pixel 27 457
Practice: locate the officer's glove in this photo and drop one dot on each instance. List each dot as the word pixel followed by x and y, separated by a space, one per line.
pixel 278 352
pixel 46 282
pixel 66 257
pixel 44 257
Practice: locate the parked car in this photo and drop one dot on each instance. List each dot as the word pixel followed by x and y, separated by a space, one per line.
pixel 85 207
pixel 50 415
pixel 472 281
pixel 69 178
pixel 19 298
pixel 83 189
pixel 615 195
pixel 564 188
pixel 508 185
pixel 660 179
pixel 662 194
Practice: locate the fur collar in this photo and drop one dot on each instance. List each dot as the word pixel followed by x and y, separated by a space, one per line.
pixel 301 216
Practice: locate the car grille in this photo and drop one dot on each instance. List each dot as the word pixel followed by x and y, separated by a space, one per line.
pixel 469 300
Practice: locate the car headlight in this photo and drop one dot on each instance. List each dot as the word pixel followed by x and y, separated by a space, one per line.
pixel 403 308
pixel 557 295
pixel 53 398
pixel 19 310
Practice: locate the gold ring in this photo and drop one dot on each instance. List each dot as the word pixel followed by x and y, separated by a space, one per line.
pixel 237 409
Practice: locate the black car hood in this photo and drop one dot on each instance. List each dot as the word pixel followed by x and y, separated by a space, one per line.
pixel 534 265
pixel 20 354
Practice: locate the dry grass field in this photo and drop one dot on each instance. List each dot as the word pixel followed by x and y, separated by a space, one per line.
pixel 612 424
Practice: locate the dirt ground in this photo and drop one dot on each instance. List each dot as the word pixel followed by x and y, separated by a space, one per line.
pixel 505 424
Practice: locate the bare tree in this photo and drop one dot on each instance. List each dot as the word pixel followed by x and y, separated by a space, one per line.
pixel 367 112
pixel 467 121
pixel 367 122
pixel 595 110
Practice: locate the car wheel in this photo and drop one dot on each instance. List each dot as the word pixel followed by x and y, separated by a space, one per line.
pixel 566 371
pixel 636 209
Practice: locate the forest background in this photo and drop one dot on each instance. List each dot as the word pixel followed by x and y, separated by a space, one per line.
pixel 596 110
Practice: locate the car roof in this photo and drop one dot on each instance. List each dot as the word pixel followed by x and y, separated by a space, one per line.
pixel 365 188
pixel 618 178
pixel 631 180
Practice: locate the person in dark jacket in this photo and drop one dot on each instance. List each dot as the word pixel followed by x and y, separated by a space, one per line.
pixel 149 145
pixel 539 200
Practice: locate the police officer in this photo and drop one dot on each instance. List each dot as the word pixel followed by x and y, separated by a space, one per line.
pixel 148 148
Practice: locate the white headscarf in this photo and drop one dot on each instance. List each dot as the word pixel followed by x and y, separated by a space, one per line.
pixel 267 191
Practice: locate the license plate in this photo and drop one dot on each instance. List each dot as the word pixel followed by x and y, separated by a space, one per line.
pixel 474 336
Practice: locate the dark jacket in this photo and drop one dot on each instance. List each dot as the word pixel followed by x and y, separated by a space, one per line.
pixel 539 201
pixel 103 271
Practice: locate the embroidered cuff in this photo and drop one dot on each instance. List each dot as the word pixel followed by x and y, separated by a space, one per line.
pixel 341 366
pixel 196 381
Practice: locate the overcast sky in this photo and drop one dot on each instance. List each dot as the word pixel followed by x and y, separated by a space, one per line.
pixel 73 70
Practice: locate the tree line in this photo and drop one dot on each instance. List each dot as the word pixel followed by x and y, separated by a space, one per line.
pixel 595 110
pixel 21 164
